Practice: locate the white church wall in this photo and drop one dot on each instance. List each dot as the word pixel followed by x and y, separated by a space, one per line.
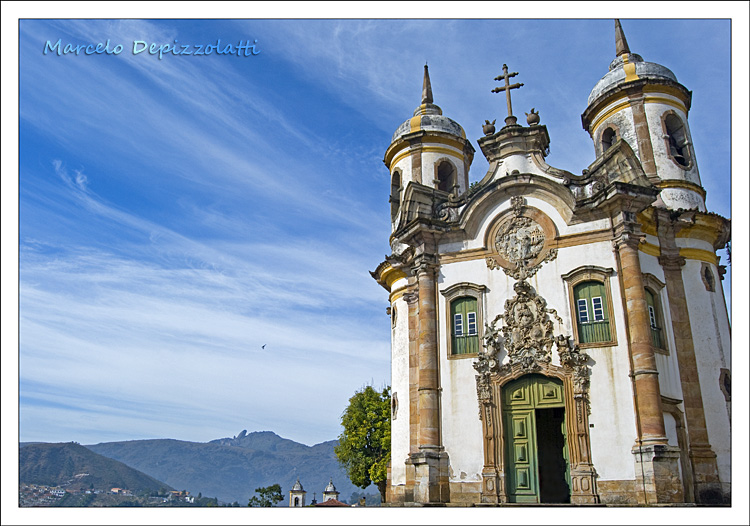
pixel 522 163
pixel 403 165
pixel 461 427
pixel 400 387
pixel 613 432
pixel 687 242
pixel 711 346
pixel 622 121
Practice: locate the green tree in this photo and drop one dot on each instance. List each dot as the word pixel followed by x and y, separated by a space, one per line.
pixel 267 497
pixel 364 448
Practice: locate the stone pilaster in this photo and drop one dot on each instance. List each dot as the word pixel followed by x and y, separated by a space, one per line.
pixel 430 462
pixel 656 463
pixel 412 300
pixel 416 161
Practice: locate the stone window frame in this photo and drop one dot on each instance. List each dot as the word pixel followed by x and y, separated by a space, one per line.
pixel 452 293
pixel 688 143
pixel 581 275
pixel 599 144
pixel 656 286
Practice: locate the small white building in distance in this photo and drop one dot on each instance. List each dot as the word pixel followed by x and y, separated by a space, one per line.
pixel 297 496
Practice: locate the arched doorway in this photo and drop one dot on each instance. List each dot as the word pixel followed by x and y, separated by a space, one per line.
pixel 536 449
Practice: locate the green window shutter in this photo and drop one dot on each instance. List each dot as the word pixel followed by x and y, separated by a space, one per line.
pixel 654 321
pixel 464 330
pixel 592 312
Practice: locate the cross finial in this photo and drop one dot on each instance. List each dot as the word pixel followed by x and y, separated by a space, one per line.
pixel 510 119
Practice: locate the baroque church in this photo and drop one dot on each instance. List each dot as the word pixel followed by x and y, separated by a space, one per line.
pixel 558 338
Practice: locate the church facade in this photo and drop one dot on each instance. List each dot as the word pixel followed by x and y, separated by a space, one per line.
pixel 558 338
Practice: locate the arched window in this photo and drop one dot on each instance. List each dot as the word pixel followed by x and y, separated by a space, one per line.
pixel 592 312
pixel 609 136
pixel 446 176
pixel 395 194
pixel 464 326
pixel 654 318
pixel 296 501
pixel 677 141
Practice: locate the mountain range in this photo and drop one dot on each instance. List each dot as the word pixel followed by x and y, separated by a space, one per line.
pixel 232 468
pixel 74 466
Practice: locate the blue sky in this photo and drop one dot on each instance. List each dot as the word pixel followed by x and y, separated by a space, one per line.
pixel 176 215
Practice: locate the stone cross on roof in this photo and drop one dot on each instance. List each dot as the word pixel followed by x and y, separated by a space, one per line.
pixel 510 119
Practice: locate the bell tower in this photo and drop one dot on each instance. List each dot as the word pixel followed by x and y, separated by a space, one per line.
pixel 644 104
pixel 428 149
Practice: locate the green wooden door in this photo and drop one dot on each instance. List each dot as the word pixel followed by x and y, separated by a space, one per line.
pixel 524 401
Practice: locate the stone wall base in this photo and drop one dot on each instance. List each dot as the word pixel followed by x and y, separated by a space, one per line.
pixel 465 493
pixel 617 492
pixel 431 479
pixel 657 475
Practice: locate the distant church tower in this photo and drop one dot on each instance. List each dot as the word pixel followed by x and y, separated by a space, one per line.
pixel 297 496
pixel 558 338
pixel 330 492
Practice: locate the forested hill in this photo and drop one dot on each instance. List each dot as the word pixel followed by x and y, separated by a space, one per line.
pixel 231 468
pixel 74 465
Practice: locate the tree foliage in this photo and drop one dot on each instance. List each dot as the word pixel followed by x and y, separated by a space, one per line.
pixel 364 448
pixel 266 497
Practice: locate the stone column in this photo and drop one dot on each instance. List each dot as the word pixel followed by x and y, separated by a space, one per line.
pixel 429 384
pixel 430 460
pixel 702 456
pixel 645 375
pixel 656 463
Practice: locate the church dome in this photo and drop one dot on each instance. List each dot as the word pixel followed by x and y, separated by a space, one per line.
pixel 330 488
pixel 618 75
pixel 428 116
pixel 297 486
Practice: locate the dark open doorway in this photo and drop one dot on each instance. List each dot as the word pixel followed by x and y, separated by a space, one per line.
pixel 553 465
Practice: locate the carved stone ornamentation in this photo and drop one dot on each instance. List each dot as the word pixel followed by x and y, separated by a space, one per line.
pixel 518 342
pixel 520 242
pixel 527 337
pixel 447 210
